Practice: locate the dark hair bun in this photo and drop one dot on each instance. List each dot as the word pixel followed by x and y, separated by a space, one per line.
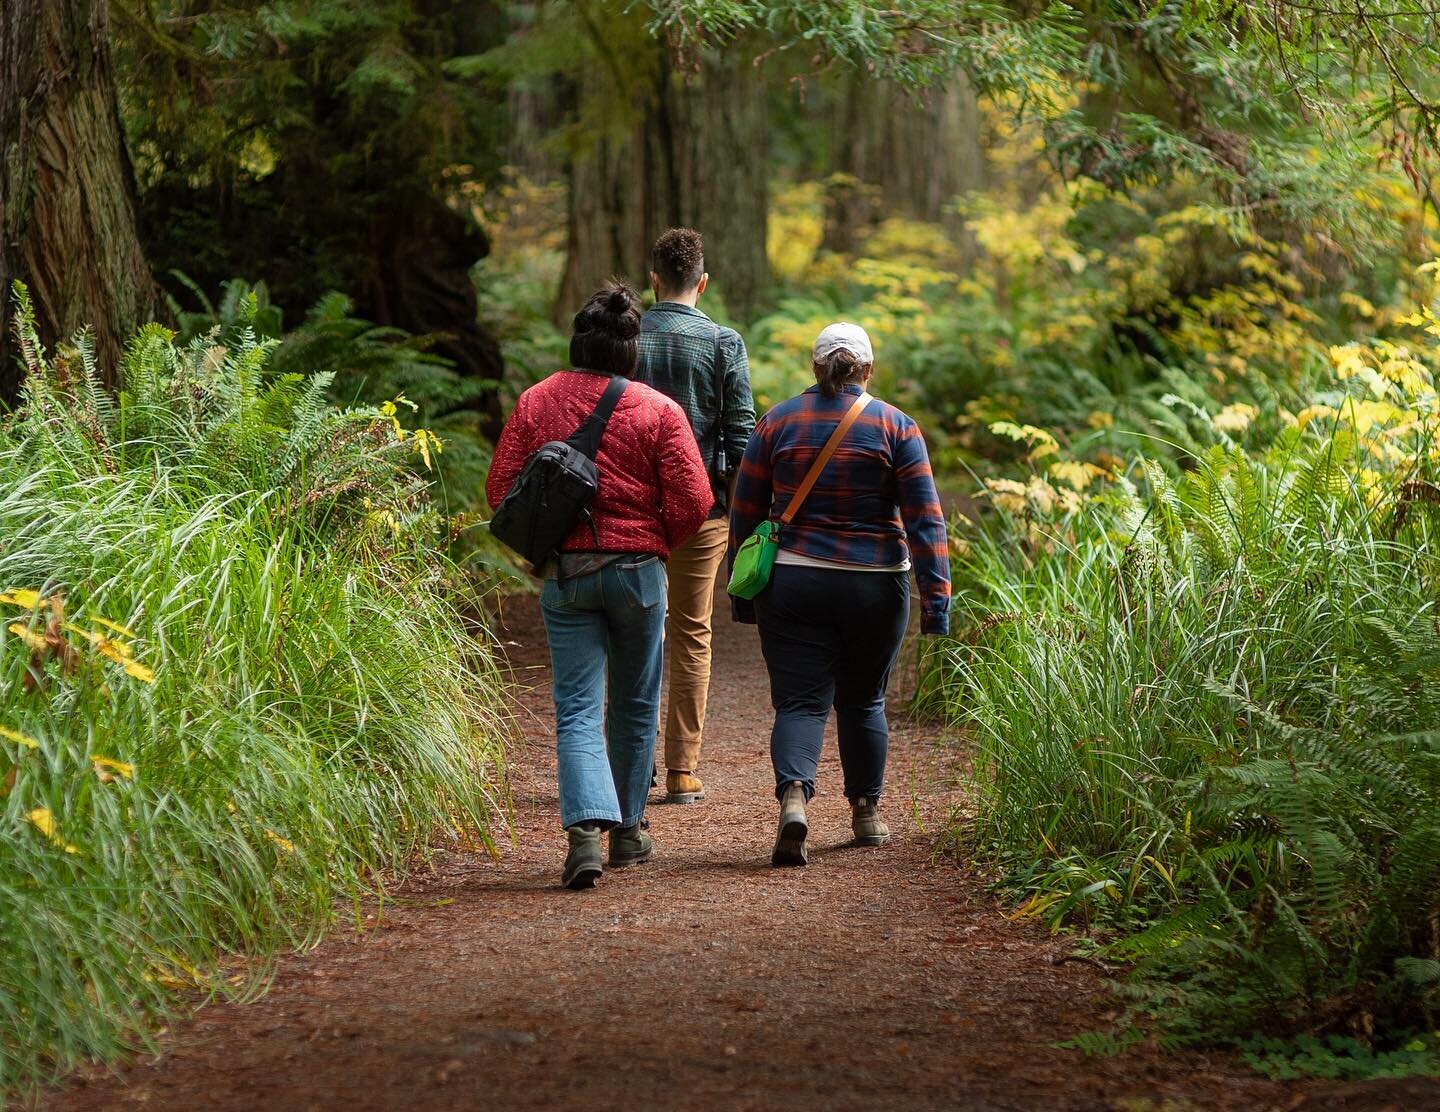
pixel 605 330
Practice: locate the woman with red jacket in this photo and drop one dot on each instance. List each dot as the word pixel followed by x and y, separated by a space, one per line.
pixel 604 597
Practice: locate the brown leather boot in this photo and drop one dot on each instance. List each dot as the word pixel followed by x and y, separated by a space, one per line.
pixel 683 787
pixel 865 821
pixel 790 837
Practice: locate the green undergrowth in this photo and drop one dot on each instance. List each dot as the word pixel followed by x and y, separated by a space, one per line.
pixel 1205 717
pixel 236 690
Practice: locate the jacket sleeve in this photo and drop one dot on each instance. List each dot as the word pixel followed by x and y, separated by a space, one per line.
pixel 680 475
pixel 749 507
pixel 511 452
pixel 739 401
pixel 924 528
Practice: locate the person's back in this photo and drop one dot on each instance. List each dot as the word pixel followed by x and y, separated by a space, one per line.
pixel 642 445
pixel 704 368
pixel 834 612
pixel 603 601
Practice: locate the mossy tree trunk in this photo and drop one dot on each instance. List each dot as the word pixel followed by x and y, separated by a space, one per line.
pixel 67 201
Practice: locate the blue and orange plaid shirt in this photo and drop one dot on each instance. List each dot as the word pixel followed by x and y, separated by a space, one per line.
pixel 873 505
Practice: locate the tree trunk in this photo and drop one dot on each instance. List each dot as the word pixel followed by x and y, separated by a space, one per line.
pixel 898 154
pixel 67 205
pixel 694 153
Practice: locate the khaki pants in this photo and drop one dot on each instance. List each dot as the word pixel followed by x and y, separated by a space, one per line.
pixel 691 571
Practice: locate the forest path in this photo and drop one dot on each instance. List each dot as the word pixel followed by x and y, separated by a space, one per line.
pixel 875 978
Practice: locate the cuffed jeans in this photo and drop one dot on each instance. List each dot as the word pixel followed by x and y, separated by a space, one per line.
pixel 606 642
pixel 830 638
pixel 691 571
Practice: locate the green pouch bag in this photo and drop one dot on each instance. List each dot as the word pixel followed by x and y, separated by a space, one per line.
pixel 754 561
pixel 755 558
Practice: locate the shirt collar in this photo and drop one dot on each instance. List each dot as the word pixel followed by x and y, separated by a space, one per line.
pixel 852 388
pixel 676 307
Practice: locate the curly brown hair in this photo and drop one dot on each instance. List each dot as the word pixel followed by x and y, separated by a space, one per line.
pixel 678 259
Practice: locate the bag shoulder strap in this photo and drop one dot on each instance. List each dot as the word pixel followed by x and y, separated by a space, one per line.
pixel 587 437
pixel 807 484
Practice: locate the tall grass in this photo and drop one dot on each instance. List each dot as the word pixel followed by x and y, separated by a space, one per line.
pixel 1205 712
pixel 232 687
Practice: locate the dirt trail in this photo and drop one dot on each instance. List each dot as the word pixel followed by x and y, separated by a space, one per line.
pixel 875 978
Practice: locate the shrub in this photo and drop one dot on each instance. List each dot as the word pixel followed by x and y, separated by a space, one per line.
pixel 232 687
pixel 1204 712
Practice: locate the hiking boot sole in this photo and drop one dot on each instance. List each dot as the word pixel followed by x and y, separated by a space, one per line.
pixel 684 797
pixel 583 877
pixel 790 845
pixel 625 862
pixel 871 839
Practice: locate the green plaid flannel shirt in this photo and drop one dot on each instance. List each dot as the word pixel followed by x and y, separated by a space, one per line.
pixel 677 357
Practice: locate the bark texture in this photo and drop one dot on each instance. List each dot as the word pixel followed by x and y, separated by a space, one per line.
pixel 67 201
pixel 895 153
pixel 693 152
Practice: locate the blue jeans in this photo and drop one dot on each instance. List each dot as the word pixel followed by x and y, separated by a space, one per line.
pixel 830 638
pixel 606 634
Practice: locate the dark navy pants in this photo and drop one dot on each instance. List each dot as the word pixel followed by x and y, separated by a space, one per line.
pixel 830 638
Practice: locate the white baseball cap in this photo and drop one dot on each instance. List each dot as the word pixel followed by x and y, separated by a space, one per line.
pixel 843 336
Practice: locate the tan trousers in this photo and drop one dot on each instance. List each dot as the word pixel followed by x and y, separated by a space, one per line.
pixel 691 571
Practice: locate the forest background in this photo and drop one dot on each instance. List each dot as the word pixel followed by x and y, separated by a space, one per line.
pixel 1159 281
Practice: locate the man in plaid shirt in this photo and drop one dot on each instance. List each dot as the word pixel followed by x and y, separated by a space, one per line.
pixel 704 368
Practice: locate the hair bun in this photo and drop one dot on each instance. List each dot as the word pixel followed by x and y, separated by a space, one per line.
pixel 618 300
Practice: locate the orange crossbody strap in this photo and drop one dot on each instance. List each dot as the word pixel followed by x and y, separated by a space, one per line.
pixel 803 492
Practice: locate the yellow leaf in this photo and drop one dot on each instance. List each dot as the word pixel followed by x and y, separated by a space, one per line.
pixel 284 843
pixel 1098 420
pixel 22 597
pixel 32 639
pixel 42 820
pixel 105 766
pixel 19 738
pixel 1311 413
pixel 117 651
pixel 1078 475
pixel 1234 418
pixel 139 672
pixel 113 627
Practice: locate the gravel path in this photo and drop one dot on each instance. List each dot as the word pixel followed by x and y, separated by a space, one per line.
pixel 875 978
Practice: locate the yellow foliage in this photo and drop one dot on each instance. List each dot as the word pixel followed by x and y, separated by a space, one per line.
pixel 44 821
pixel 19 738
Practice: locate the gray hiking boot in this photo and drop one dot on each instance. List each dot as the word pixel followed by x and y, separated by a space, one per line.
pixel 630 845
pixel 582 863
pixel 790 836
pixel 865 821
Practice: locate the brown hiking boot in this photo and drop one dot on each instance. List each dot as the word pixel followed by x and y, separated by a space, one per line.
pixel 865 821
pixel 790 837
pixel 683 787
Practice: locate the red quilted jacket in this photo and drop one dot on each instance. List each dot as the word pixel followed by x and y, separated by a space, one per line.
pixel 654 492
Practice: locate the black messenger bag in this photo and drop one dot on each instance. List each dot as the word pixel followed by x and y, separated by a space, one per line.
pixel 556 487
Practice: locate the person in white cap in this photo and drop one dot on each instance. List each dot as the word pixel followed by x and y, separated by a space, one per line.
pixel 835 611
